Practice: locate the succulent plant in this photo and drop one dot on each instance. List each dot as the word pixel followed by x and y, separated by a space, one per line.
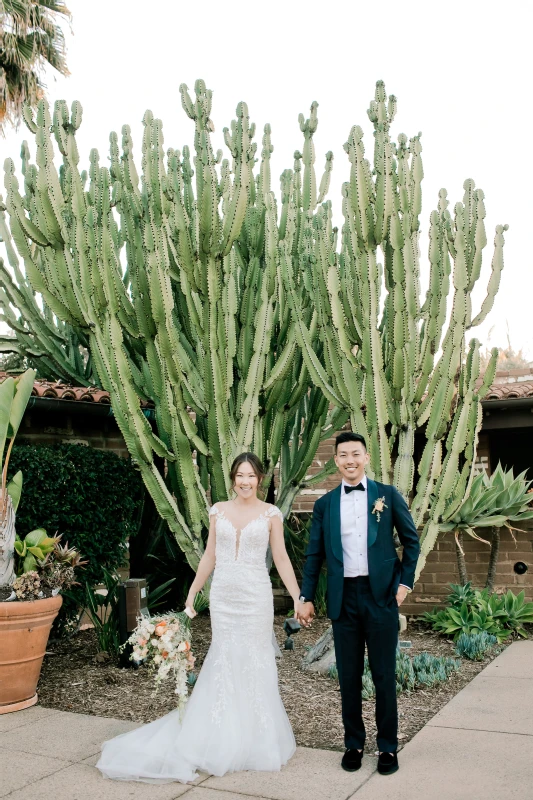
pixel 28 586
pixel 398 365
pixel 57 575
pixel 198 322
pixel 250 323
pixel 34 548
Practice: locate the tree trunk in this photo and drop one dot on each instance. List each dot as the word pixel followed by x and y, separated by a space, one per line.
pixel 493 559
pixel 461 563
pixel 7 546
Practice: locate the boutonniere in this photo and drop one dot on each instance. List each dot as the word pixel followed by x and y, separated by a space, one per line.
pixel 379 505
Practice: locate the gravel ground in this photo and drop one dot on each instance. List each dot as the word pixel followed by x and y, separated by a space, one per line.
pixel 76 678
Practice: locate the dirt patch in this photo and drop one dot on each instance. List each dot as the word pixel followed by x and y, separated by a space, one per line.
pixel 73 679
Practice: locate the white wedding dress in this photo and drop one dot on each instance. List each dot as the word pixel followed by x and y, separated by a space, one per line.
pixel 234 719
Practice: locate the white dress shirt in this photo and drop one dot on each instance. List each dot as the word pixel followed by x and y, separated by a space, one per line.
pixel 354 531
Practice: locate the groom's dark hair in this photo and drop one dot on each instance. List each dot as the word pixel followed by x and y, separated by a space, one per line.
pixel 349 436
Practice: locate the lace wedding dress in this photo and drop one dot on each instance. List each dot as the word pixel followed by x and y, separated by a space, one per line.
pixel 234 719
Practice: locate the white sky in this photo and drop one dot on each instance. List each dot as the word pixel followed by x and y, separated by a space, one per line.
pixel 461 72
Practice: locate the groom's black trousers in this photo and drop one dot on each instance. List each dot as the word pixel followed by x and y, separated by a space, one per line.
pixel 363 621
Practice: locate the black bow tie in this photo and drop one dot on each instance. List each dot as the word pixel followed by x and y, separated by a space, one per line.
pixel 358 488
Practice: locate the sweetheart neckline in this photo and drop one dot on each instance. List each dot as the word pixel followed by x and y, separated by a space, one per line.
pixel 222 514
pixel 238 534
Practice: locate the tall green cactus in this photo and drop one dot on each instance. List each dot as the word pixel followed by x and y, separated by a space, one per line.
pixel 171 281
pixel 395 365
pixel 249 325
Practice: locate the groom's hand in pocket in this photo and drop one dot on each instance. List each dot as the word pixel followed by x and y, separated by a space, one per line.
pixel 401 594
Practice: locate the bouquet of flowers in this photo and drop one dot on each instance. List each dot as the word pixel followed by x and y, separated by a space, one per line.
pixel 163 643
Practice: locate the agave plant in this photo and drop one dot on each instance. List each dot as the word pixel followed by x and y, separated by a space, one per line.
pixel 35 547
pixel 494 502
pixel 473 611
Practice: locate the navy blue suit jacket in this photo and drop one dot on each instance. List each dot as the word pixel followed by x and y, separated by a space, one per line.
pixel 386 571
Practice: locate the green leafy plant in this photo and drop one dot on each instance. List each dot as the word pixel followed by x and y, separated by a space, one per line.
pixel 102 606
pixel 477 611
pixel 517 612
pixel 92 496
pixel 493 502
pixel 34 547
pixel 14 396
pixel 475 646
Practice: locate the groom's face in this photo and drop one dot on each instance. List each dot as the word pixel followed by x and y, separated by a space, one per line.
pixel 351 459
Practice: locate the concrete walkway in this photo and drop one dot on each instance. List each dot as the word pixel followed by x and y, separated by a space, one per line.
pixel 478 746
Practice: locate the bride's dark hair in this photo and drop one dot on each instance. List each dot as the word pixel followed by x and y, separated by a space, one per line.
pixel 248 458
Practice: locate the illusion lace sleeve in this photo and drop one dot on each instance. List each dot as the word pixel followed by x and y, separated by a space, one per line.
pixel 213 510
pixel 274 511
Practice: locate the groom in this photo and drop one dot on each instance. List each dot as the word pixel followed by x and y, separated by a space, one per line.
pixel 352 529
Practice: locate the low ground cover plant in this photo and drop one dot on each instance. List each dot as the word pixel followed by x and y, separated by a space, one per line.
pixel 419 671
pixel 475 646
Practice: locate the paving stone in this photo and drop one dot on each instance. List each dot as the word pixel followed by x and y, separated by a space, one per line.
pixel 16 719
pixel 200 793
pixel 81 782
pixel 16 773
pixel 73 736
pixel 446 764
pixel 490 704
pixel 516 661
pixel 310 774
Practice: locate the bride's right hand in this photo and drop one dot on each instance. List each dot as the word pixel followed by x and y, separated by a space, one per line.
pixel 189 606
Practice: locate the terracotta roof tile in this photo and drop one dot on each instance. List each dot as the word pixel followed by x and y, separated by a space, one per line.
pixel 513 390
pixel 64 391
pixel 510 391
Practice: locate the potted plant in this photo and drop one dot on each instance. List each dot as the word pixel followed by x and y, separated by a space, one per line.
pixel 29 601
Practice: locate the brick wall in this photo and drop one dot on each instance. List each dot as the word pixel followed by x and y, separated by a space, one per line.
pixel 441 568
pixel 305 501
pixel 54 427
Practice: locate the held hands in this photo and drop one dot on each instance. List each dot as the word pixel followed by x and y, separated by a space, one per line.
pixel 401 594
pixel 304 613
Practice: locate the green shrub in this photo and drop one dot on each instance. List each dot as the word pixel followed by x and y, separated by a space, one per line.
pixel 473 611
pixel 475 646
pixel 421 670
pixel 92 497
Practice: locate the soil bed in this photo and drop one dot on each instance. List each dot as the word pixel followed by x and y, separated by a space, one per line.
pixel 74 678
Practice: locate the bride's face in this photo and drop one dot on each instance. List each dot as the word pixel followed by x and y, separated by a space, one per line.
pixel 246 481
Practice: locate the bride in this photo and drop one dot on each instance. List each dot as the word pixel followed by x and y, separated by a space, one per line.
pixel 234 719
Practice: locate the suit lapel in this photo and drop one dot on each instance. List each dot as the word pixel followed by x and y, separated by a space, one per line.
pixel 335 522
pixel 372 490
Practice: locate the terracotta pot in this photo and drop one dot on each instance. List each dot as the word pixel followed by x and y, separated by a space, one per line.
pixel 24 631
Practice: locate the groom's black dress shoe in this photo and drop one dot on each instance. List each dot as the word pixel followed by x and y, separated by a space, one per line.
pixel 387 763
pixel 351 760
